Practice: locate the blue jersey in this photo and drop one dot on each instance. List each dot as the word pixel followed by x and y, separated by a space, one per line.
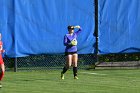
pixel 67 41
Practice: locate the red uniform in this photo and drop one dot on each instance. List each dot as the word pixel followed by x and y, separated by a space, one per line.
pixel 1 59
pixel 1 63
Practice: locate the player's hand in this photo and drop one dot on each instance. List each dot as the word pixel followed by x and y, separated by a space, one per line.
pixel 74 42
pixel 77 26
pixel 3 51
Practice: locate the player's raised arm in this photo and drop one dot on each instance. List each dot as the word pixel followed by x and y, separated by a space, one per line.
pixel 79 29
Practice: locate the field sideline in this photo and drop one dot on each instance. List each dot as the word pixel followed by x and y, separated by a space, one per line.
pixel 93 81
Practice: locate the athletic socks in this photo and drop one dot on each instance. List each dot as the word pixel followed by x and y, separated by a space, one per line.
pixel 64 69
pixel 75 71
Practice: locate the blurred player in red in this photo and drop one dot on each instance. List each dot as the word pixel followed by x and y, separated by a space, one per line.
pixel 2 67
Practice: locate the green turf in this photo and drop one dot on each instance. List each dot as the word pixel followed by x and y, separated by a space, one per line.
pixel 97 81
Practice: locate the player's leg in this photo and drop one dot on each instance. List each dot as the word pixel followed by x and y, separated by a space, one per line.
pixel 74 60
pixel 68 64
pixel 2 67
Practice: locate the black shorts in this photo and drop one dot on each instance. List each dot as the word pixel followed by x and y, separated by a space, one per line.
pixel 70 53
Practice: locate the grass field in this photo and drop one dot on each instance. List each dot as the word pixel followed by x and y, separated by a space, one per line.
pixel 93 81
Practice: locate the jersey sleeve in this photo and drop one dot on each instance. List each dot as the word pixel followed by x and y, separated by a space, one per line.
pixel 77 32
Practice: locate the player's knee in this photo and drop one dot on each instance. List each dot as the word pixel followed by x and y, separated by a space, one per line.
pixel 74 65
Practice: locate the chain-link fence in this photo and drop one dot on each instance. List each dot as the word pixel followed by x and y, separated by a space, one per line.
pixel 43 62
pixel 90 61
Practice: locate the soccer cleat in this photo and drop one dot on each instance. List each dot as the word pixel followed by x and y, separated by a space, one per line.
pixel 62 75
pixel 0 85
pixel 76 77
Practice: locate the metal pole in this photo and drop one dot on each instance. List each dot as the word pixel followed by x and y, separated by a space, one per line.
pixel 96 30
pixel 15 64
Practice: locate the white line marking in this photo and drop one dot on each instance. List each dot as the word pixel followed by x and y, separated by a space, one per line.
pixel 92 73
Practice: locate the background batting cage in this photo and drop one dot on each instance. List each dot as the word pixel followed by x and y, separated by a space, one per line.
pixel 33 32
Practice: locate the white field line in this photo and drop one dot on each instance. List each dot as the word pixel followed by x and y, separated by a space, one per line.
pixel 92 73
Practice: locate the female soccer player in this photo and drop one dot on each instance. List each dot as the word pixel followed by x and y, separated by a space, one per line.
pixel 70 42
pixel 2 67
